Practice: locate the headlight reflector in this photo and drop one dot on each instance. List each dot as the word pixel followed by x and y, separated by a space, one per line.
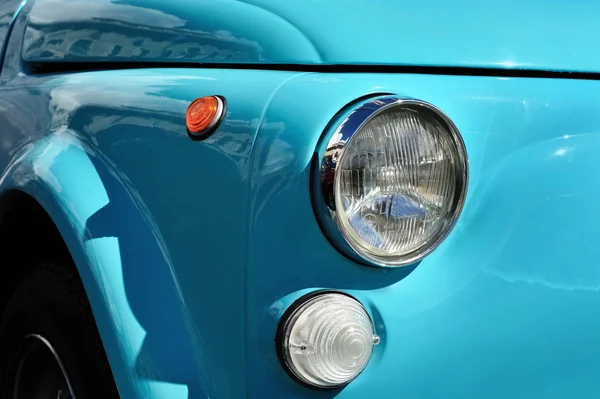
pixel 399 171
pixel 326 340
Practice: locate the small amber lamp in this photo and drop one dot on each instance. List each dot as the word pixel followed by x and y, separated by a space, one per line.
pixel 203 115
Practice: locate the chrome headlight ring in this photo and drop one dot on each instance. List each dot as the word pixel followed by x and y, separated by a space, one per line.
pixel 410 128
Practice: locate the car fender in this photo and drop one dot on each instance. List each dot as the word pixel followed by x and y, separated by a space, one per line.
pixel 92 205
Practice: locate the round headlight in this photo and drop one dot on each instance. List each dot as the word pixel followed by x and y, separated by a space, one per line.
pixel 326 339
pixel 394 176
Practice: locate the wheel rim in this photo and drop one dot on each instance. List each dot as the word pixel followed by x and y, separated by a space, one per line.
pixel 38 372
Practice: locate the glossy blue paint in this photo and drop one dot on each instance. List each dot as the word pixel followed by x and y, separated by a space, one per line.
pixel 158 30
pixel 506 306
pixel 191 251
pixel 9 9
pixel 538 34
pixel 153 219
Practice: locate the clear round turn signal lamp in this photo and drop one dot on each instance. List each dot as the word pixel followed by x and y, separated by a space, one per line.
pixel 325 339
pixel 391 185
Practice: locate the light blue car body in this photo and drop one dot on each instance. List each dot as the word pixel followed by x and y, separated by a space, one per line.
pixel 190 251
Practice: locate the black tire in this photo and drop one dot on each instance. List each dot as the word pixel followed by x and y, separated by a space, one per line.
pixel 51 303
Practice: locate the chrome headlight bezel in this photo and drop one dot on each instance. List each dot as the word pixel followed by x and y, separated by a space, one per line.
pixel 336 140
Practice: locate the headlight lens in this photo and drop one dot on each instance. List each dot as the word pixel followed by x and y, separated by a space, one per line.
pixel 399 170
pixel 326 340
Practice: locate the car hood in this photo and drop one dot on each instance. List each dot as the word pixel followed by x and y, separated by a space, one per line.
pixel 552 35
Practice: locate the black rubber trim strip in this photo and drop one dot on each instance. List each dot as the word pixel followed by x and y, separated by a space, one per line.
pixel 43 68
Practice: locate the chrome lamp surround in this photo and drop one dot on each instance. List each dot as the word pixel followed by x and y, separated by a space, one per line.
pixel 331 151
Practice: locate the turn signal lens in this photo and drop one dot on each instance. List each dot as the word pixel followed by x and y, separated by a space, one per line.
pixel 203 114
pixel 327 340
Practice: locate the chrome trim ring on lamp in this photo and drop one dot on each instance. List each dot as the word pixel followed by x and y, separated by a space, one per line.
pixel 334 151
pixel 332 323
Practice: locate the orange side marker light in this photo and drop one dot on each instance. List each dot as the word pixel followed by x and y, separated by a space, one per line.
pixel 203 115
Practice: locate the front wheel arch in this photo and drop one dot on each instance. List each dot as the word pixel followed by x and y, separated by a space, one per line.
pixel 27 235
pixel 152 346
